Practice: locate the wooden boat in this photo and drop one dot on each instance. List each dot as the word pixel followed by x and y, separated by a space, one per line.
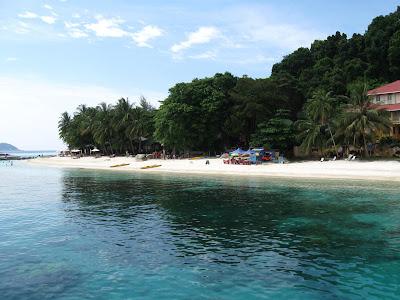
pixel 153 166
pixel 198 157
pixel 121 165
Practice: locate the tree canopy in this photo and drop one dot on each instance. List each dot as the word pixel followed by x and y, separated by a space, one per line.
pixel 317 94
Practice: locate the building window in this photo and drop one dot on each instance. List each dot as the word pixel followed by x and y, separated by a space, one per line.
pixel 394 130
pixel 378 98
pixel 389 99
pixel 396 116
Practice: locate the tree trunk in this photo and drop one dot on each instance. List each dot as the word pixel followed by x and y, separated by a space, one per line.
pixel 333 140
pixel 366 153
pixel 111 148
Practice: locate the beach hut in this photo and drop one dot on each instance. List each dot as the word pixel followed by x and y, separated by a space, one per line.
pixel 256 155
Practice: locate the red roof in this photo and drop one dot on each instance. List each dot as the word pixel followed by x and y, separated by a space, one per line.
pixel 389 88
pixel 389 107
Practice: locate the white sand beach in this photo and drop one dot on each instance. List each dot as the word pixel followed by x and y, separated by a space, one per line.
pixel 339 169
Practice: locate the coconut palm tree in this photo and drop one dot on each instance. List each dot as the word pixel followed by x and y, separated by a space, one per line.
pixel 312 133
pixel 362 120
pixel 321 109
pixel 64 125
pixel 135 128
pixel 123 118
pixel 102 126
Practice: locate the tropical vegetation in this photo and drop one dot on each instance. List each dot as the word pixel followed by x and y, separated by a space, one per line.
pixel 314 98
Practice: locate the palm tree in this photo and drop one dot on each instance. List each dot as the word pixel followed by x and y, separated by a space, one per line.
pixel 312 134
pixel 135 128
pixel 102 127
pixel 140 124
pixel 64 125
pixel 362 119
pixel 320 107
pixel 123 117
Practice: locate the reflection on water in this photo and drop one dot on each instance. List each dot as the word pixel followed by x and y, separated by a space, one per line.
pixel 122 235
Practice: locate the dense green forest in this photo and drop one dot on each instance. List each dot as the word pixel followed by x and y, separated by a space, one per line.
pixel 315 97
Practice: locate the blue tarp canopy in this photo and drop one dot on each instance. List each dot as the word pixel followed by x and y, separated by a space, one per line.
pixel 237 151
pixel 250 151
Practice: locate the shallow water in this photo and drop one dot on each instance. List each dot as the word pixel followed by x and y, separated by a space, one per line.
pixel 73 234
pixel 35 153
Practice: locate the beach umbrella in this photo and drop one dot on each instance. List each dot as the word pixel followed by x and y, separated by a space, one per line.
pixel 76 151
pixel 95 150
pixel 237 151
pixel 250 152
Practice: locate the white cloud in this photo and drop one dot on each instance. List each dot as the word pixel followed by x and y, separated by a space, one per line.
pixel 11 59
pixel 206 55
pixel 283 35
pixel 54 14
pixel 107 27
pixel 201 36
pixel 76 16
pixel 47 6
pixel 48 19
pixel 22 31
pixel 28 15
pixel 250 26
pixel 147 33
pixel 71 25
pixel 23 24
pixel 77 33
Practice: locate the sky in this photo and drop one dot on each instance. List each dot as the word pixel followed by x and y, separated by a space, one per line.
pixel 58 54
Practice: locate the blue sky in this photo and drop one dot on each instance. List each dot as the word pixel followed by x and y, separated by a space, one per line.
pixel 57 54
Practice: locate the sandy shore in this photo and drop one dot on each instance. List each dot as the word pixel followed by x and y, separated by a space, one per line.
pixel 341 169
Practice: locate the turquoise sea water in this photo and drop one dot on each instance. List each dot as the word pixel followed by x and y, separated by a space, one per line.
pixel 32 153
pixel 79 234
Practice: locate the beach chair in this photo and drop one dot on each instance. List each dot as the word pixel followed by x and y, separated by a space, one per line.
pixel 334 158
pixel 353 158
pixel 322 159
pixel 350 156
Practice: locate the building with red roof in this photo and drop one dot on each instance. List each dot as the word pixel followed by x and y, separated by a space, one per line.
pixel 388 96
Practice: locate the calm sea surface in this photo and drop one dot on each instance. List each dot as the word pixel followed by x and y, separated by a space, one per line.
pixel 78 234
pixel 32 153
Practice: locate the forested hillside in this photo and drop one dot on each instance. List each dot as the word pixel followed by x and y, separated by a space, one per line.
pixel 312 94
pixel 335 63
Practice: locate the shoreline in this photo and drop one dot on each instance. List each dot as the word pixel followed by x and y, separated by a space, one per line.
pixel 337 170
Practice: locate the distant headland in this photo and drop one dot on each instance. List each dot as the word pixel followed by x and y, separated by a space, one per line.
pixel 8 147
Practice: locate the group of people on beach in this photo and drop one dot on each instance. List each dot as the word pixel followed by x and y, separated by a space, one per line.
pixel 238 161
pixel 159 155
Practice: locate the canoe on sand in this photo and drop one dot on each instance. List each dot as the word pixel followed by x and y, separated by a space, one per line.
pixel 121 165
pixel 153 166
